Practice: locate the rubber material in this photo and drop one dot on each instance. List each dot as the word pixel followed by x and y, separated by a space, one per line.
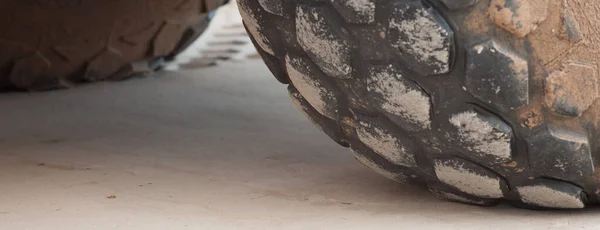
pixel 441 93
pixel 57 44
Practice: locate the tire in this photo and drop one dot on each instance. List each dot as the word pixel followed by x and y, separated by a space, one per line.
pixel 58 44
pixel 479 101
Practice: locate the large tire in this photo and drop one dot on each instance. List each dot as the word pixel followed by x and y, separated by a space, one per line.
pixel 480 101
pixel 56 44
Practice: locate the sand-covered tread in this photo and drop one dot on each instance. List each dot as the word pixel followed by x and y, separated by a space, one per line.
pixel 441 93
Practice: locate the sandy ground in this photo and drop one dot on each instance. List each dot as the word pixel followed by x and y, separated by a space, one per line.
pixel 221 148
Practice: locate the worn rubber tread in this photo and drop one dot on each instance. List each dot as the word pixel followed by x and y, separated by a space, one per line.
pixel 59 50
pixel 458 113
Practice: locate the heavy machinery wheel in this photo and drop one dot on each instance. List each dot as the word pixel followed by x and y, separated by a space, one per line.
pixel 57 44
pixel 479 100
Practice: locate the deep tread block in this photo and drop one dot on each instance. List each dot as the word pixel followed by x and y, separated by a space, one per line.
pixel 381 166
pixel 189 35
pixel 468 178
pixel 420 34
pixel 387 143
pixel 572 90
pixel 167 38
pixel 325 124
pixel 552 194
pixel 504 84
pixel 323 41
pixel 272 63
pixel 253 17
pixel 482 136
pixel 519 17
pixel 27 70
pixel 401 99
pixel 318 92
pixel 102 66
pixel 560 153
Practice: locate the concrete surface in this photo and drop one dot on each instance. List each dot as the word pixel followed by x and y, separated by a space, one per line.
pixel 221 148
